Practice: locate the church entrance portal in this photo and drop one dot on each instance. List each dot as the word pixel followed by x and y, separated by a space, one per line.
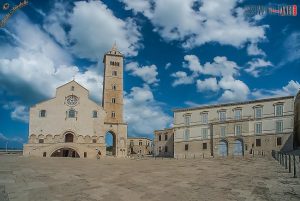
pixel 110 141
pixel 65 152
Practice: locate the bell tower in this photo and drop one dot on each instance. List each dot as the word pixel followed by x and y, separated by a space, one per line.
pixel 112 99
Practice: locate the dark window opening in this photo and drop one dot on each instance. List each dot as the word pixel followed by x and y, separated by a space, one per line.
pixel 94 141
pixel 43 113
pixel 44 154
pixel 95 114
pixel 166 137
pixel 258 142
pixel 84 154
pixel 279 141
pixel 186 147
pixel 166 149
pixel 69 137
pixel 204 145
pixel 159 138
pixel 41 141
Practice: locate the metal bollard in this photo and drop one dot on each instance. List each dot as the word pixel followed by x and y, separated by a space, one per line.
pixel 290 164
pixel 295 176
pixel 286 166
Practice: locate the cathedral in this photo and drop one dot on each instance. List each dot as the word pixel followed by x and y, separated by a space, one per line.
pixel 72 125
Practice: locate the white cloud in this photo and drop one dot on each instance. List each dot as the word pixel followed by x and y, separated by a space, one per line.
pixel 142 6
pixel 234 90
pixel 253 49
pixel 291 47
pixel 257 66
pixel 290 89
pixel 143 113
pixel 211 21
pixel 181 78
pixel 209 84
pixel 167 66
pixel 37 65
pixel 220 69
pixel 94 29
pixel 146 73
pixel 18 112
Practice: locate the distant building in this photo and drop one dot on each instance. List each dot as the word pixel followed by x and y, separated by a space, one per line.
pixel 236 129
pixel 72 125
pixel 164 142
pixel 139 145
pixel 297 122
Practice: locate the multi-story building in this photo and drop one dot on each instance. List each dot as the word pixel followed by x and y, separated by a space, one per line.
pixel 234 129
pixel 139 145
pixel 164 142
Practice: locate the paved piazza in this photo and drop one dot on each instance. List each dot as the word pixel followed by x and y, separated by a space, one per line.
pixel 67 179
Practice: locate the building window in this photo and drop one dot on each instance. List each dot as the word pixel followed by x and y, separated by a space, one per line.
pixel 94 141
pixel 95 114
pixel 72 113
pixel 238 129
pixel 204 133
pixel 279 126
pixel 44 154
pixel 204 118
pixel 159 149
pixel 131 143
pixel 258 128
pixel 43 113
pixel 237 114
pixel 85 154
pixel 258 142
pixel 186 147
pixel 72 88
pixel 41 141
pixel 166 137
pixel 279 142
pixel 204 146
pixel 114 87
pixel 166 149
pixel 187 120
pixel 159 138
pixel 186 134
pixel 222 115
pixel 278 110
pixel 223 131
pixel 113 100
pixel 114 73
pixel 258 112
pixel 140 143
pixel 69 137
pixel 113 114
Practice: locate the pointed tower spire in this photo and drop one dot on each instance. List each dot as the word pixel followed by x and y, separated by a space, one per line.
pixel 114 47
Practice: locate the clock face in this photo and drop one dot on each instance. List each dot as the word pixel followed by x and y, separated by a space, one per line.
pixel 72 100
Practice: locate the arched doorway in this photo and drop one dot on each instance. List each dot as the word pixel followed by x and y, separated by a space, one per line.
pixel 238 148
pixel 69 137
pixel 110 141
pixel 65 152
pixel 223 148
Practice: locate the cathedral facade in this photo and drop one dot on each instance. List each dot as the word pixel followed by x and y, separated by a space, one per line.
pixel 72 125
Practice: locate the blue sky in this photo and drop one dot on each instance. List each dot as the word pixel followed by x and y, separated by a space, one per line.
pixel 177 54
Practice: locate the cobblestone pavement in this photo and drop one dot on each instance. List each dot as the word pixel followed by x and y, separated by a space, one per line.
pixel 66 179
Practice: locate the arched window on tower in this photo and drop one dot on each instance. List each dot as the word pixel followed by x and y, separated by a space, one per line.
pixel 114 87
